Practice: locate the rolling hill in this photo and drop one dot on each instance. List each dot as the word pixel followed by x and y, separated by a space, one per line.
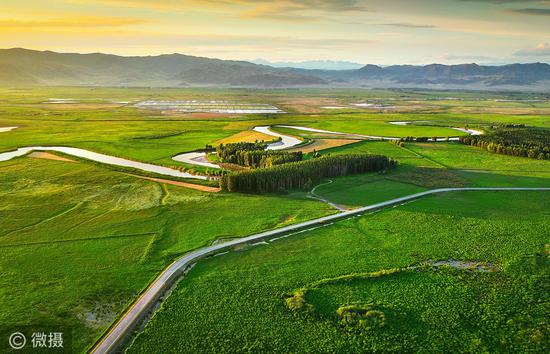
pixel 29 67
pixel 437 75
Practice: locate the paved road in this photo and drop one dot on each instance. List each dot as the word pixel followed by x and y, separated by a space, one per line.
pixel 111 341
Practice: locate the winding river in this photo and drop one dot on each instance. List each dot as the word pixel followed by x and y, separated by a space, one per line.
pixel 199 158
pixel 102 158
pixel 196 157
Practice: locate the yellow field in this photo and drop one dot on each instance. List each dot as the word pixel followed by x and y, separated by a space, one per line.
pixel 247 136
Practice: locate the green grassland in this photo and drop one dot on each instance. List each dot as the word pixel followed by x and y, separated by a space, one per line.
pixel 79 242
pixel 236 302
pixel 97 123
pixel 431 165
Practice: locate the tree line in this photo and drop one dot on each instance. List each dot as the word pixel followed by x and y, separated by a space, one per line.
pixel 254 155
pixel 302 174
pixel 525 142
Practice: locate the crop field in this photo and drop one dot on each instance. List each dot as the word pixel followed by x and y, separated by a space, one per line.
pixel 80 240
pixel 242 295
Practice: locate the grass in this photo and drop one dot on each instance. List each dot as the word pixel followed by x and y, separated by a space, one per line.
pixel 432 165
pixel 95 238
pixel 79 240
pixel 236 302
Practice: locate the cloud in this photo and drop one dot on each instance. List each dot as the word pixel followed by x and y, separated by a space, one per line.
pixel 73 23
pixel 447 57
pixel 532 11
pixel 282 10
pixel 508 1
pixel 299 10
pixel 541 50
pixel 407 25
pixel 320 5
pixel 287 11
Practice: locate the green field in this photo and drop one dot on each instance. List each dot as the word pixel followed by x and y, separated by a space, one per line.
pixel 236 302
pixel 81 240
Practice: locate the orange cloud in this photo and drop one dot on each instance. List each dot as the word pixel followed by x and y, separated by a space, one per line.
pixel 62 23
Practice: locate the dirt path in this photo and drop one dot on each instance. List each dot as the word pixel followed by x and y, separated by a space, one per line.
pixel 316 196
pixel 198 187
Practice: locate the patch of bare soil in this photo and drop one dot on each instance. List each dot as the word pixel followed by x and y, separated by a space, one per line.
pixel 48 156
pixel 205 115
pixel 198 187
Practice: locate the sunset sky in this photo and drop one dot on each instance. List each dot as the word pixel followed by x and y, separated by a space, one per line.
pixel 369 31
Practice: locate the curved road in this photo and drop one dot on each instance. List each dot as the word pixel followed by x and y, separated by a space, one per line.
pixel 120 331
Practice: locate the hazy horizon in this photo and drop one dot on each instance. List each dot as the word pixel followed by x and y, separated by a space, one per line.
pixel 304 64
pixel 487 32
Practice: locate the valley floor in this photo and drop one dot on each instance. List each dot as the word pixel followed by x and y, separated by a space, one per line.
pixel 81 240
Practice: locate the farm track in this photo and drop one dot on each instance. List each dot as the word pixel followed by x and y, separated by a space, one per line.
pixel 316 196
pixel 121 330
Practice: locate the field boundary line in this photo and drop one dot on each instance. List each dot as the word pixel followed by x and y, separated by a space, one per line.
pixel 75 240
pixel 120 331
pixel 49 218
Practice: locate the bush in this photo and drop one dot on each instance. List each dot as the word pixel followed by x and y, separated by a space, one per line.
pixel 297 302
pixel 365 316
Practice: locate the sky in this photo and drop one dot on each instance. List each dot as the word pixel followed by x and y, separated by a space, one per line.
pixel 380 32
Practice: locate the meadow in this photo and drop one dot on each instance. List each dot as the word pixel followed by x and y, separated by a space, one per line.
pixel 81 240
pixel 236 302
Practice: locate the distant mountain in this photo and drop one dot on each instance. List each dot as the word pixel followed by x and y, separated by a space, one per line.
pixel 311 64
pixel 520 76
pixel 30 67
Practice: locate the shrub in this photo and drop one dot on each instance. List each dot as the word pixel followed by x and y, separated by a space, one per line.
pixel 297 302
pixel 361 315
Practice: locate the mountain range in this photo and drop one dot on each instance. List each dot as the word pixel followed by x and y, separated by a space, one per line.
pixel 311 64
pixel 29 67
